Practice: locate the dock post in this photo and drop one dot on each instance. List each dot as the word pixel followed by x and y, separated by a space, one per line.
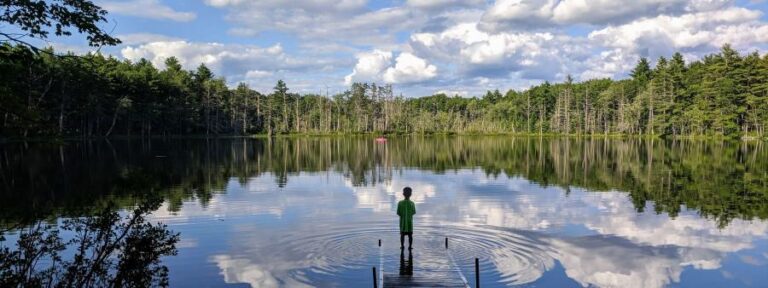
pixel 379 242
pixel 446 242
pixel 375 281
pixel 477 273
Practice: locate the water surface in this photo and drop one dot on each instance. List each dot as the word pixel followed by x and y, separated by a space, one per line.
pixel 309 211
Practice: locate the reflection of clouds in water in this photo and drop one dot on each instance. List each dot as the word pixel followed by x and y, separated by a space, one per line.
pixel 316 247
pixel 372 197
pixel 637 262
pixel 686 230
pixel 502 215
pixel 635 249
pixel 186 242
pixel 260 196
pixel 616 262
pixel 236 203
pixel 531 207
pixel 243 271
pixel 751 260
pixel 380 197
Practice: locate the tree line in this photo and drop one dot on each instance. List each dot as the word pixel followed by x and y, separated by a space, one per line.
pixel 720 180
pixel 43 94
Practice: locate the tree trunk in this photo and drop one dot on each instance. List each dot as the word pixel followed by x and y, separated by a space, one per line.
pixel 245 113
pixel 114 120
pixel 528 112
pixel 650 112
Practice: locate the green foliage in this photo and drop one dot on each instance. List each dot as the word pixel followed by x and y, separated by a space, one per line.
pixel 723 95
pixel 39 18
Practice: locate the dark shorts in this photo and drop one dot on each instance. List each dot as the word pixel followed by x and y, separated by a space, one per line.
pixel 406 233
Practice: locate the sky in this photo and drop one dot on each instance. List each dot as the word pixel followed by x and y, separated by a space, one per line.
pixel 421 47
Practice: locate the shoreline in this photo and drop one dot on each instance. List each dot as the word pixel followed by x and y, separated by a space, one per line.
pixel 43 139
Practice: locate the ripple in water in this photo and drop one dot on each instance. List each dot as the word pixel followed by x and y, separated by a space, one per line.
pixel 509 256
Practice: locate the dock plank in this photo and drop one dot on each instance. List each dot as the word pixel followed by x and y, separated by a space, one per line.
pixel 432 268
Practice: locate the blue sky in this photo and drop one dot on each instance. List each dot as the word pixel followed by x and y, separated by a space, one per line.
pixel 421 47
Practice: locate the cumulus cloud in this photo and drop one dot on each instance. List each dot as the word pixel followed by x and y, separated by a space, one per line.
pixel 377 66
pixel 408 69
pixel 693 34
pixel 527 14
pixel 690 31
pixel 532 55
pixel 235 61
pixel 151 9
pixel 217 56
pixel 369 66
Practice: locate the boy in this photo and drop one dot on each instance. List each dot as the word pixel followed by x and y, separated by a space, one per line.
pixel 405 209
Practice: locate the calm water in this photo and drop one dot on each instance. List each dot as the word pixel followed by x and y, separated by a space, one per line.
pixel 310 211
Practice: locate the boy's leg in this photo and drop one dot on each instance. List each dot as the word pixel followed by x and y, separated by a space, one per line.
pixel 410 240
pixel 402 240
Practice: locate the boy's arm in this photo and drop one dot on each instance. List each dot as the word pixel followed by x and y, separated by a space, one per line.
pixel 398 209
pixel 414 208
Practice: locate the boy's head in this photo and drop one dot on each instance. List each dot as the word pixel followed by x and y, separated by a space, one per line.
pixel 407 192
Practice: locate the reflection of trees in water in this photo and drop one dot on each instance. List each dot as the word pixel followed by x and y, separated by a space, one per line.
pixel 721 180
pixel 107 251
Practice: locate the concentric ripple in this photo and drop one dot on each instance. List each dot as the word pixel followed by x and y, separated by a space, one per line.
pixel 514 257
pixel 331 251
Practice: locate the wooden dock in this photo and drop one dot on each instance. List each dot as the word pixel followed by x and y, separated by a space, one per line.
pixel 425 268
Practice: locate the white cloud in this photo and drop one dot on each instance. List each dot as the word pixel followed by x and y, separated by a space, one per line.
pixel 369 66
pixel 320 21
pixel 519 14
pixel 543 55
pixel 310 5
pixel 219 57
pixel 254 74
pixel 442 4
pixel 151 9
pixel 409 69
pixel 710 28
pixel 376 66
pixel 693 34
pixel 143 38
pixel 526 14
pixel 234 61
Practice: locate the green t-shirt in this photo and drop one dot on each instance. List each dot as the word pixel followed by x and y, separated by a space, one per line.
pixel 405 209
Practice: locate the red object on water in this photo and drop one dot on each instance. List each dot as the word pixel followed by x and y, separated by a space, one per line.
pixel 381 139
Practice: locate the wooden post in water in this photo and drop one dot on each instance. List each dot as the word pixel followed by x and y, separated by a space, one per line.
pixel 477 273
pixel 446 242
pixel 379 242
pixel 375 282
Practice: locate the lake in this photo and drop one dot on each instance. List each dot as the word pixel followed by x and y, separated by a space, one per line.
pixel 544 212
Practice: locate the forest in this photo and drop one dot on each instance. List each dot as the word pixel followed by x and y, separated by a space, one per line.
pixel 45 94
